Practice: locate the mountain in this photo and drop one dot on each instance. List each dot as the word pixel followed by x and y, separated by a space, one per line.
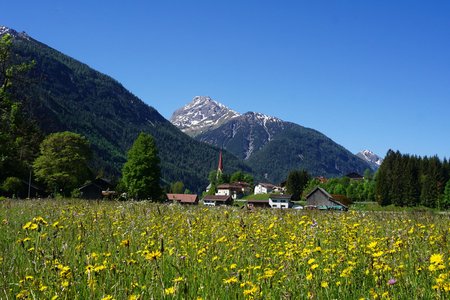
pixel 273 147
pixel 245 134
pixel 372 159
pixel 201 115
pixel 62 93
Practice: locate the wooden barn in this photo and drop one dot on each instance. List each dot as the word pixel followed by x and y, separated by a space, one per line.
pixel 96 189
pixel 321 199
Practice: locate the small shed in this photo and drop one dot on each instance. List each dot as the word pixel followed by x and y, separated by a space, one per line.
pixel 217 200
pixel 191 199
pixel 95 189
pixel 322 199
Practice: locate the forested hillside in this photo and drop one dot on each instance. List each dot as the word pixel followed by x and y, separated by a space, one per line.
pixel 62 94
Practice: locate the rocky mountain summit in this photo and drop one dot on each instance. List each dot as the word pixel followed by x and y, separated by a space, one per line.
pixel 372 159
pixel 201 115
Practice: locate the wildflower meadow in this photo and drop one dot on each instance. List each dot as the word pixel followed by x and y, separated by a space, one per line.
pixel 72 249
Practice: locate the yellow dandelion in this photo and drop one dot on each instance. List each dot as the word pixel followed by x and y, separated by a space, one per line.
pixel 436 259
pixel 125 243
pixel 169 291
pixel 153 255
pixel 230 280
pixel 324 284
pixel 99 268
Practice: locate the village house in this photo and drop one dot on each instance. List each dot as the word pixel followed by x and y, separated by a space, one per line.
pixel 191 199
pixel 280 201
pixel 217 200
pixel 264 188
pixel 236 189
pixel 321 199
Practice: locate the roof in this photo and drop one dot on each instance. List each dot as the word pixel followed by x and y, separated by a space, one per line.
pixel 258 201
pixel 222 198
pixel 101 183
pixel 280 196
pixel 183 198
pixel 327 195
pixel 232 186
pixel 267 185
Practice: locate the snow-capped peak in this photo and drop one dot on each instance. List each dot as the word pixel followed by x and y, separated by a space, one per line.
pixel 374 160
pixel 6 30
pixel 201 114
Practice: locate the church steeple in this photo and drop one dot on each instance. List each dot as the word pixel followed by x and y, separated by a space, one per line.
pixel 220 166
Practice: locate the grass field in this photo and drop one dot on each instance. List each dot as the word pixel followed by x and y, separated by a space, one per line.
pixel 73 249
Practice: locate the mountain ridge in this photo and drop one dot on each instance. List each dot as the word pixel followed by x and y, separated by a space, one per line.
pixel 262 140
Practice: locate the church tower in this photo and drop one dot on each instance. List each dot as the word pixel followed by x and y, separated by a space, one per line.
pixel 220 166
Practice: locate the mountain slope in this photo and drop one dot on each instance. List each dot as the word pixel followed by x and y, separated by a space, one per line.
pixel 273 147
pixel 64 94
pixel 244 135
pixel 201 115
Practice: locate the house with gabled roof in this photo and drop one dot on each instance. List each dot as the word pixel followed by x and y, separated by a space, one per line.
pixel 321 199
pixel 236 189
pixel 264 188
pixel 217 200
pixel 183 198
pixel 280 201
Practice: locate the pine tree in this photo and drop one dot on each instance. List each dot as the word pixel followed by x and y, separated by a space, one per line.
pixel 296 182
pixel 384 179
pixel 141 173
pixel 446 197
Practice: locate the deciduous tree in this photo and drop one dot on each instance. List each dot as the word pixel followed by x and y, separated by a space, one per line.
pixel 141 173
pixel 63 161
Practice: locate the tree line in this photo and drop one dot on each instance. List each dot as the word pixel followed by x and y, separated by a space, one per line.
pixel 409 180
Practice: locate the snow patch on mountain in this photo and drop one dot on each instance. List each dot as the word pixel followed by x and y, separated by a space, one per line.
pixel 6 30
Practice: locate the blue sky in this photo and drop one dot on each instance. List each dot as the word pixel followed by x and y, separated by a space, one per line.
pixel 368 74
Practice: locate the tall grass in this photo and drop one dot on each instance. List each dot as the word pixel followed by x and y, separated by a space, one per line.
pixel 137 250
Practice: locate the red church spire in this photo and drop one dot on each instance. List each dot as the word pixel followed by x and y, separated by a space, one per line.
pixel 220 167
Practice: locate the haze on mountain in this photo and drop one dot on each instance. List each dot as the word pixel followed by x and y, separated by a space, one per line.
pixel 65 94
pixel 271 146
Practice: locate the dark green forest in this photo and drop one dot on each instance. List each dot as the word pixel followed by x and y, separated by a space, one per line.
pixel 62 94
pixel 409 180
